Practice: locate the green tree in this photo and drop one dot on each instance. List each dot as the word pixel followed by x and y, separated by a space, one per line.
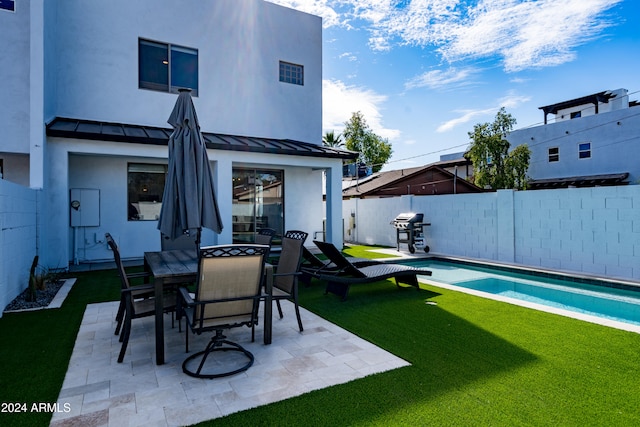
pixel 373 150
pixel 331 140
pixel 493 164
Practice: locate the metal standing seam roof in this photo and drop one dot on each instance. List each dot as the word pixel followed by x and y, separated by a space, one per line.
pixel 139 134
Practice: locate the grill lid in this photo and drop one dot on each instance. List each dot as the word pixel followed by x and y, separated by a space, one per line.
pixel 407 219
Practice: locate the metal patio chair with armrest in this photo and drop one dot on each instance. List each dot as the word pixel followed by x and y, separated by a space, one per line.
pixel 340 280
pixel 227 296
pixel 265 237
pixel 142 292
pixel 135 301
pixel 287 272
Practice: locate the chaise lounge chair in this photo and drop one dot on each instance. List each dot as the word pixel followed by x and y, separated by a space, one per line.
pixel 346 273
pixel 313 265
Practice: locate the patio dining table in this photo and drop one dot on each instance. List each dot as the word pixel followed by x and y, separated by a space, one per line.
pixel 172 268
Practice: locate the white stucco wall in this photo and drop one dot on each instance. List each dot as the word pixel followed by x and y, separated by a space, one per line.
pixel 614 138
pixel 14 79
pixel 239 43
pixel 103 166
pixel 588 230
pixel 17 239
pixel 72 58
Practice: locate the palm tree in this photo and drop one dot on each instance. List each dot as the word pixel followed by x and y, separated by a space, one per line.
pixel 330 140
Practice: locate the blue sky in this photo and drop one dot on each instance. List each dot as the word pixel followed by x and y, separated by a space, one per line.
pixel 424 72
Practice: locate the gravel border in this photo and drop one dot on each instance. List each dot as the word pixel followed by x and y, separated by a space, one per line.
pixel 52 297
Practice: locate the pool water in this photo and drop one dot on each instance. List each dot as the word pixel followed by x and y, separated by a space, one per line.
pixel 606 300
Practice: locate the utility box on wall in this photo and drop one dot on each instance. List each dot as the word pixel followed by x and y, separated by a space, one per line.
pixel 85 207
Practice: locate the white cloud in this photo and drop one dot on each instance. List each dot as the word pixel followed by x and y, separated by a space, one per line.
pixel 509 101
pixel 350 56
pixel 466 117
pixel 437 79
pixel 520 33
pixel 526 34
pixel 340 101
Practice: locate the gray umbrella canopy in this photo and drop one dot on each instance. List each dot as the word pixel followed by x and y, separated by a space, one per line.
pixel 189 200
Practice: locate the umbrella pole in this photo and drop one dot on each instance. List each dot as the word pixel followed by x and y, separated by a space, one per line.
pixel 198 242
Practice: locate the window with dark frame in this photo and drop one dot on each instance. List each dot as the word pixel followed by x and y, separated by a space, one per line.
pixel 9 5
pixel 576 114
pixel 145 187
pixel 291 73
pixel 584 150
pixel 166 67
pixel 554 154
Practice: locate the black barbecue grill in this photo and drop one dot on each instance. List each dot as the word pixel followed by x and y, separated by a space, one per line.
pixel 409 230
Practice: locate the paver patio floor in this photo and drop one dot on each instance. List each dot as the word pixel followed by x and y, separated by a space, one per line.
pixel 98 391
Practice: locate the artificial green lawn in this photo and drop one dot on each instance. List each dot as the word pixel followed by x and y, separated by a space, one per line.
pixel 473 362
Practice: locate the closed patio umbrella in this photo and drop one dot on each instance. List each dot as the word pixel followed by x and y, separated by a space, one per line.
pixel 189 201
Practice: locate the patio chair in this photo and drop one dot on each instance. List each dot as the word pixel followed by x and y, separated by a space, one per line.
pixel 287 272
pixel 312 264
pixel 265 237
pixel 227 296
pixel 135 301
pixel 346 274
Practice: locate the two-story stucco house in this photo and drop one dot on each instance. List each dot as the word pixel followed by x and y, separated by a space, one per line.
pixel 87 88
pixel 593 140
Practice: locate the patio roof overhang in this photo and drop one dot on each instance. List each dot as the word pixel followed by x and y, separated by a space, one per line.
pixel 139 134
pixel 579 181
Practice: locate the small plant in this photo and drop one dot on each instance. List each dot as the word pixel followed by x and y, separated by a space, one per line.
pixel 31 293
pixel 39 277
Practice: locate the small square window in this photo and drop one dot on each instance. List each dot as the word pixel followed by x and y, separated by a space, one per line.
pixel 584 150
pixel 166 67
pixel 291 73
pixel 576 114
pixel 554 154
pixel 9 5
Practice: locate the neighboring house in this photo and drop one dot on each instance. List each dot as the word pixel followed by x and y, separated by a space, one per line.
pixel 87 88
pixel 593 141
pixel 444 177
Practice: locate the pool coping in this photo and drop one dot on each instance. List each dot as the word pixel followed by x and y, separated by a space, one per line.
pixel 540 272
pixel 535 306
pixel 571 276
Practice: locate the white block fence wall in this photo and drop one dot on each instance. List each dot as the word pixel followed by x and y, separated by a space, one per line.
pixel 18 234
pixel 587 230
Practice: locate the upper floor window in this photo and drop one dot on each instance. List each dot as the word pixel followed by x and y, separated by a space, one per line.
pixel 9 5
pixel 576 114
pixel 584 150
pixel 167 68
pixel 291 73
pixel 554 154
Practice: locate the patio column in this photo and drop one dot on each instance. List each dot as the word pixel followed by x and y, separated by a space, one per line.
pixel 334 205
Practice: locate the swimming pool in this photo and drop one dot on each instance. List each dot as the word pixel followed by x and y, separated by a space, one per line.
pixel 606 302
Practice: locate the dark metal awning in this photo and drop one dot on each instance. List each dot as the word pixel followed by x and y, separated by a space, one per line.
pixel 579 181
pixel 138 134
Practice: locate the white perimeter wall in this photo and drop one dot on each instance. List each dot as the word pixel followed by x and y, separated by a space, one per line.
pixel 17 239
pixel 588 230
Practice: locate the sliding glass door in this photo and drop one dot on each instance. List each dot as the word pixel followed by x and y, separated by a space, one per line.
pixel 258 202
